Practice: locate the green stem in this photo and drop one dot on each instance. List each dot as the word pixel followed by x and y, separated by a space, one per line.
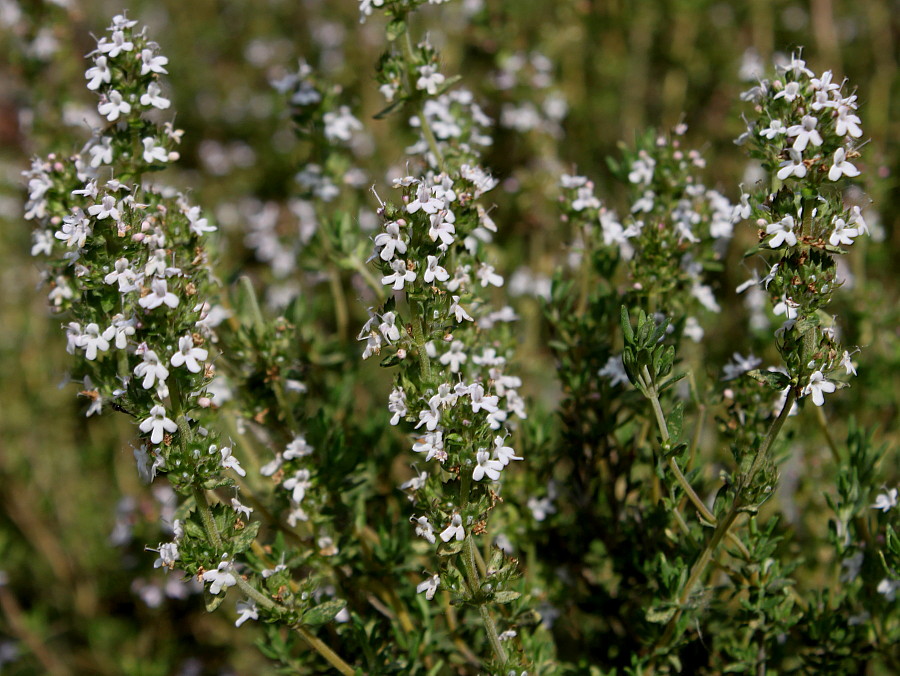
pixel 215 539
pixel 209 524
pixel 723 526
pixel 409 59
pixel 259 323
pixel 473 580
pixel 689 491
pixel 419 336
pixel 320 647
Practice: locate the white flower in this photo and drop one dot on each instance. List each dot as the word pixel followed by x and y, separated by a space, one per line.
pixel 430 417
pixel 693 330
pixel 151 370
pixel 429 79
pixel 297 448
pixel 841 167
pixel 847 122
pixel 123 275
pixel 790 92
pixel 486 466
pixel 124 328
pixel 842 234
pixel 847 363
pixel 113 105
pixel 157 424
pixel 106 209
pixel 818 386
pixel 400 276
pixel 487 276
pixel 151 63
pixel 783 232
pixel 198 225
pixel 739 365
pixel 118 45
pixel 298 485
pixel 101 152
pixel 645 203
pixel 454 530
pixel 152 152
pixel 168 555
pixel 805 133
pixel 425 201
pixel 886 501
pixel 614 370
pixel 246 611
pixel 188 355
pixel 774 129
pixel 540 507
pixel 503 454
pixel 792 167
pixel 340 126
pixel 75 229
pixel 423 528
pixel 98 74
pixel 459 311
pixel 429 586
pixel 824 83
pixel 432 444
pixel 444 398
pixel 390 241
pixel 221 578
pixel 228 461
pixel 435 271
pixel 240 508
pixel 92 340
pixel 480 401
pixel 641 170
pixel 159 295
pixel 153 97
pixel 888 588
pixel 442 228
pixel 389 328
pixel 43 242
pixel 416 483
pixel 397 405
pixel 455 356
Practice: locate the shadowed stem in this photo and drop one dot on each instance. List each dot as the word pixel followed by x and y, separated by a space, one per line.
pixel 409 58
pixel 708 516
pixel 722 528
pixel 215 539
pixel 473 579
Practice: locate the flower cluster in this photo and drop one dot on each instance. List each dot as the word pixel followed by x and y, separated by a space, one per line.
pixel 675 233
pixel 454 388
pixel 805 132
pixel 128 268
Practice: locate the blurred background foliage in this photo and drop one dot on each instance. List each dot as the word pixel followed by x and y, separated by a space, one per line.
pixel 79 596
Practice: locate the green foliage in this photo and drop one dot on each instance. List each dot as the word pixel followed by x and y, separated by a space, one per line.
pixel 658 509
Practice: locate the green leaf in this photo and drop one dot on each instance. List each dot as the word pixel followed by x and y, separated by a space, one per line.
pixel 626 327
pixel 395 29
pixel 212 602
pixel 390 360
pixel 323 613
pixel 451 548
pixel 506 596
pixel 660 614
pixel 244 538
pixel 774 379
pixel 388 110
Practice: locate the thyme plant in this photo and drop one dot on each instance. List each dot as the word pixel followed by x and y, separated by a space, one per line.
pixel 400 500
